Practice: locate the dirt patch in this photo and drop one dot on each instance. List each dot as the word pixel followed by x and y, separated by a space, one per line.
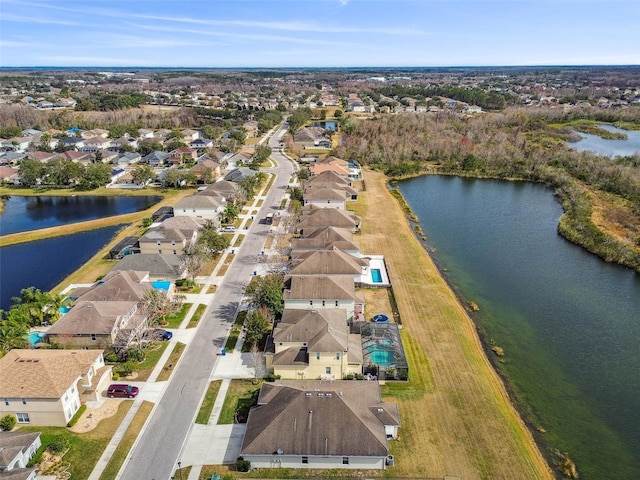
pixel 92 416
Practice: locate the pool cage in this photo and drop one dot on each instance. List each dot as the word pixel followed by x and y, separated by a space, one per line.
pixel 382 351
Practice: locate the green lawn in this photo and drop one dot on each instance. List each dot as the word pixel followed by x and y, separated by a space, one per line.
pixel 242 394
pixel 175 319
pixel 145 367
pixel 193 321
pixel 123 448
pixel 207 404
pixel 84 448
pixel 232 339
pixel 175 355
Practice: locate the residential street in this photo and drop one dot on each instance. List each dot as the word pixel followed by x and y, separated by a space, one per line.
pixel 160 445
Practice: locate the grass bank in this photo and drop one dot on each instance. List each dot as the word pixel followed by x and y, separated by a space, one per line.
pixel 457 418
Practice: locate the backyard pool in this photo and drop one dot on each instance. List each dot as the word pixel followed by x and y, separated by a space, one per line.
pixel 382 356
pixel 381 318
pixel 35 338
pixel 376 276
pixel 161 285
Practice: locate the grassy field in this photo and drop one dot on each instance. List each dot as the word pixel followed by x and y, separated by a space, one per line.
pixel 122 450
pixel 175 355
pixel 85 448
pixel 197 315
pixel 456 415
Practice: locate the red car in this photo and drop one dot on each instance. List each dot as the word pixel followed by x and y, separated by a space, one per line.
pixel 122 391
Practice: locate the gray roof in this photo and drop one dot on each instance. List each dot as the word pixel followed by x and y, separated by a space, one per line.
pixel 14 443
pixel 116 285
pixel 89 317
pixel 156 264
pixel 328 262
pixel 323 330
pixel 339 287
pixel 340 418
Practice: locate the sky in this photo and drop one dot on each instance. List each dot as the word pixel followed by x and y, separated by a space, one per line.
pixel 318 33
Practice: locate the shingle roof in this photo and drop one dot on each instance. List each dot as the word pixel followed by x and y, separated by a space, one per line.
pixel 43 373
pixel 323 330
pixel 156 264
pixel 116 285
pixel 317 418
pixel 86 318
pixel 14 443
pixel 338 287
pixel 328 262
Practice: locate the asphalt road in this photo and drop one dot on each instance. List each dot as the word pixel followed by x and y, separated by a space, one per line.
pixel 159 447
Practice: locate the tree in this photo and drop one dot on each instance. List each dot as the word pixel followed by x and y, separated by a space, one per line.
pixel 31 172
pixel 14 329
pixel 266 292
pixel 194 260
pixel 172 177
pixel 95 175
pixel 256 360
pixel 7 423
pixel 230 212
pixel 158 304
pixel 36 305
pixel 256 326
pixel 142 174
pixel 148 147
pixel 211 243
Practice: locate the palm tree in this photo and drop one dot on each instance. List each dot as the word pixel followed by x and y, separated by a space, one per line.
pixel 13 331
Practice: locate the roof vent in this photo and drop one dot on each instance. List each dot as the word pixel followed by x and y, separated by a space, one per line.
pixel 308 394
pixel 320 394
pixel 380 410
pixel 329 394
pixel 340 393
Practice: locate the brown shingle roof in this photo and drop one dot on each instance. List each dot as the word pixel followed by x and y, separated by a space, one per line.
pixel 293 417
pixel 98 318
pixel 323 330
pixel 116 285
pixel 43 373
pixel 338 287
pixel 328 262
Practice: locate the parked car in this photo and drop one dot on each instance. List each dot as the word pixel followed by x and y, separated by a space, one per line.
pixel 121 390
pixel 163 334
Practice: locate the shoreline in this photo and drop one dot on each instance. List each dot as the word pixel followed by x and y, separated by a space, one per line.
pixel 505 423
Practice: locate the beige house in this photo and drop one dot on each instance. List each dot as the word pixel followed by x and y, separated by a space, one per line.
pixel 200 206
pixel 319 424
pixel 320 292
pixel 314 344
pixel 173 236
pixel 314 217
pixel 331 261
pixel 47 387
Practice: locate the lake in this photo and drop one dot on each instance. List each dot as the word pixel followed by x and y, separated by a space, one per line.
pixel 568 322
pixel 23 214
pixel 45 263
pixel 612 148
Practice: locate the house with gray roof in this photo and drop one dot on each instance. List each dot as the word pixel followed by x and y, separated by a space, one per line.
pixel 320 424
pixel 16 449
pixel 155 159
pixel 200 207
pixel 322 291
pixel 331 261
pixel 314 217
pixel 324 238
pixel 160 266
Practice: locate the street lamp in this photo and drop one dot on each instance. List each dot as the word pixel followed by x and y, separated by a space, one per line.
pixel 180 469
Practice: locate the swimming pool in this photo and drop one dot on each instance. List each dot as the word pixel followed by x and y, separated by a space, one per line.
pixel 376 276
pixel 161 285
pixel 381 318
pixel 35 338
pixel 64 309
pixel 382 356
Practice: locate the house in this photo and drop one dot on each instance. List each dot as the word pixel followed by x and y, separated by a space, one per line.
pixel 200 206
pixel 73 156
pixel 127 158
pixel 322 291
pixel 238 175
pixel 325 197
pixel 189 135
pixel 238 160
pixel 229 191
pixel 9 175
pixel 318 424
pixel 31 132
pixel 115 286
pixel 309 344
pixel 330 164
pixel 174 236
pixel 325 238
pixel 17 144
pixel 201 143
pixel 94 144
pixel 97 324
pixel 118 143
pixel 73 143
pixel 160 266
pixel 47 386
pixel 42 156
pixel 314 217
pixel 206 168
pixel 16 450
pixel 155 159
pixel 95 133
pixel 181 154
pixel 332 262
pixel 145 133
pixel 308 137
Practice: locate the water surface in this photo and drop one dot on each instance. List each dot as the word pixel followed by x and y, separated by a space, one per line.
pixel 23 214
pixel 568 322
pixel 45 263
pixel 611 148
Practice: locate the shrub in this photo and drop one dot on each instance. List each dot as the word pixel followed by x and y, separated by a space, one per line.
pixel 76 417
pixel 271 377
pixel 123 370
pixel 7 423
pixel 243 465
pixel 59 445
pixel 135 355
pixel 147 221
pixel 115 376
pixel 111 357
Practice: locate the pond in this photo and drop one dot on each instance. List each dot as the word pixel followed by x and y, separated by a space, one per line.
pixel 612 148
pixel 45 263
pixel 23 214
pixel 568 322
